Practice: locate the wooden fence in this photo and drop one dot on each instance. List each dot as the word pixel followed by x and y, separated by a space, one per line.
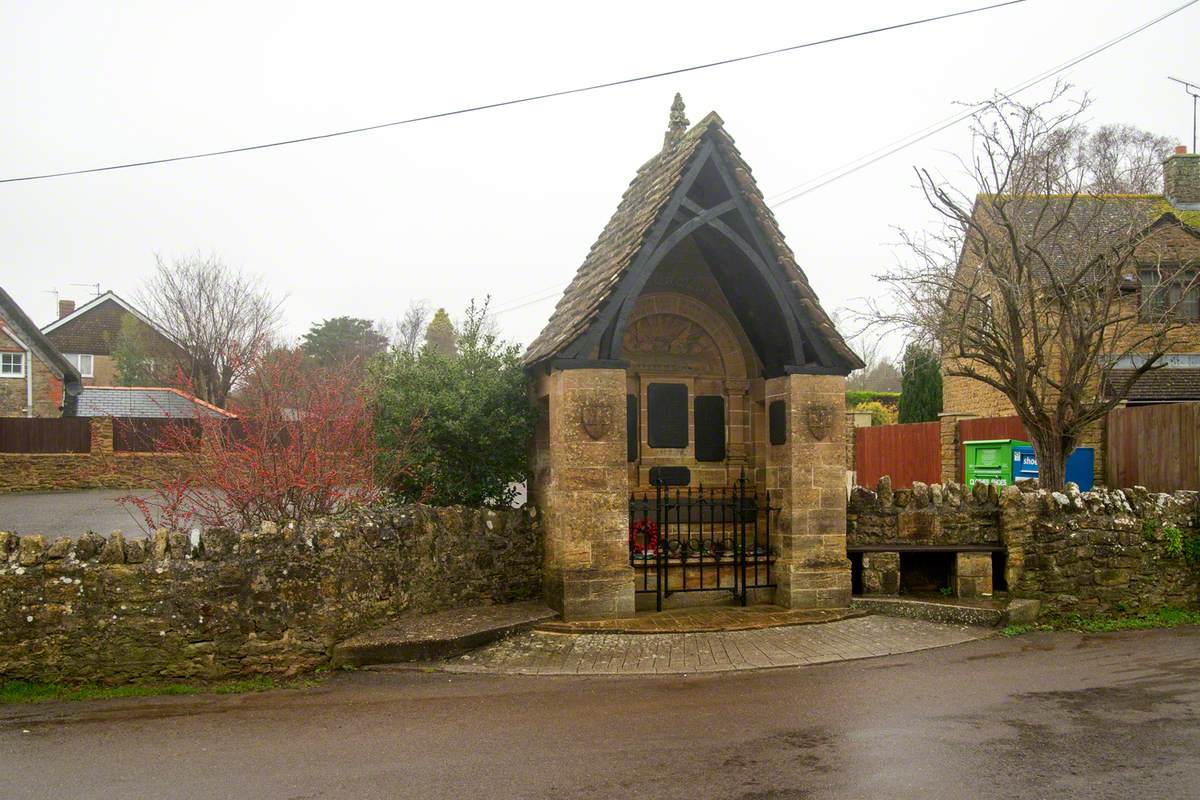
pixel 907 453
pixel 1154 446
pixel 154 435
pixel 45 435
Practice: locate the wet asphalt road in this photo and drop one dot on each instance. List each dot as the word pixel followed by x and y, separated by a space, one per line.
pixel 1040 716
pixel 55 514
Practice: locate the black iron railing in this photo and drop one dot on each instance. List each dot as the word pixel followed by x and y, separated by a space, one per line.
pixel 701 539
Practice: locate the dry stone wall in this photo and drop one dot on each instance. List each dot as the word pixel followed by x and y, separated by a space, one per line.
pixel 220 604
pixel 1102 551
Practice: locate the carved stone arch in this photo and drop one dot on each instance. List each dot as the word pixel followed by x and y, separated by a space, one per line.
pixel 730 350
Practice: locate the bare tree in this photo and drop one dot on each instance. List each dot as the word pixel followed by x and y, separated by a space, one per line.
pixel 1113 159
pixel 1038 292
pixel 880 373
pixel 222 318
pixel 407 333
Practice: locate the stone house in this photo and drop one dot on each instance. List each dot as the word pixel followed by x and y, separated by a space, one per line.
pixel 1164 269
pixel 35 379
pixel 89 335
pixel 690 351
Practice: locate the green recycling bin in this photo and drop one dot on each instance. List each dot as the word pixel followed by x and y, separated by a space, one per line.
pixel 990 461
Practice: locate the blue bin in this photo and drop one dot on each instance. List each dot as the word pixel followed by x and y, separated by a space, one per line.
pixel 1080 465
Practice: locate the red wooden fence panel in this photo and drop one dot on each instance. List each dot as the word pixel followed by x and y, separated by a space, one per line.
pixel 984 428
pixel 906 453
pixel 1154 446
pixel 45 435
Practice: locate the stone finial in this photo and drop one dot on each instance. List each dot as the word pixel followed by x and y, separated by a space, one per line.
pixel 113 551
pixel 31 550
pixel 677 125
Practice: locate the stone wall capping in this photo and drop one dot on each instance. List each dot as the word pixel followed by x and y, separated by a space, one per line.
pixel 884 490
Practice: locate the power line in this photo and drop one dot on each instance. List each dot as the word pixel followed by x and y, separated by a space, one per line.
pixel 850 167
pixel 904 142
pixel 518 100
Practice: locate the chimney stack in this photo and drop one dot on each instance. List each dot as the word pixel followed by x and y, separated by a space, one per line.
pixel 1181 179
pixel 65 307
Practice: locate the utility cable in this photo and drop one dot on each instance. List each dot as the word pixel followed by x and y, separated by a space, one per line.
pixel 515 101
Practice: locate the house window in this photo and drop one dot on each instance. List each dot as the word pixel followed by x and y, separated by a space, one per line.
pixel 81 362
pixel 12 365
pixel 1165 292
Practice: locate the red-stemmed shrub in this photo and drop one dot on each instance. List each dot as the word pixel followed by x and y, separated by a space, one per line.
pixel 302 445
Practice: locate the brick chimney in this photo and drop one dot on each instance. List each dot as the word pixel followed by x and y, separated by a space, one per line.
pixel 1181 179
pixel 65 307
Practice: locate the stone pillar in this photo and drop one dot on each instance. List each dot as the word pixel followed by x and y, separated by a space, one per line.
pixel 881 573
pixel 102 434
pixel 806 476
pixel 972 574
pixel 586 501
pixel 737 451
pixel 951 447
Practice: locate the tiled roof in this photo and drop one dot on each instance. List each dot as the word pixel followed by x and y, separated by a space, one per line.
pixel 95 326
pixel 136 401
pixel 15 317
pixel 1167 383
pixel 1070 230
pixel 626 232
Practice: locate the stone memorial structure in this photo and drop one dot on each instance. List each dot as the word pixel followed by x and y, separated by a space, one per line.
pixel 690 351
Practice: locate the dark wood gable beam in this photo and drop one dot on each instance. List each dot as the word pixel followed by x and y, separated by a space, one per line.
pixel 630 285
pixel 759 255
pixel 606 333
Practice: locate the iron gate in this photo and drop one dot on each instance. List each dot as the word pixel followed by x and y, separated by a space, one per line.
pixel 692 540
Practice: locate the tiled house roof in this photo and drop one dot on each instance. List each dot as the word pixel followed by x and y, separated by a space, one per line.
pixel 15 318
pixel 623 237
pixel 1067 229
pixel 133 401
pixel 1168 384
pixel 94 326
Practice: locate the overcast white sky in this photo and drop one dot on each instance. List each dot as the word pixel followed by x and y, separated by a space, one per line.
pixel 503 202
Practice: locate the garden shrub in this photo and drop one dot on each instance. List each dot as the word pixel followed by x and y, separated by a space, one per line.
pixel 453 425
pixel 880 414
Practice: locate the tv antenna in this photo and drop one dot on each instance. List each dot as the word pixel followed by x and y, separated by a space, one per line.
pixel 95 287
pixel 1194 90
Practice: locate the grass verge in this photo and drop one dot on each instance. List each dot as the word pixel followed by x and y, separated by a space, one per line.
pixel 37 692
pixel 1160 618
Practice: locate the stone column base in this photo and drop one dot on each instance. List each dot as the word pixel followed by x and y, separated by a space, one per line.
pixel 813 586
pixel 585 594
pixel 973 574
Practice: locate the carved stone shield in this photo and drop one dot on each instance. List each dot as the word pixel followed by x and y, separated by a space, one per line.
pixel 819 419
pixel 595 417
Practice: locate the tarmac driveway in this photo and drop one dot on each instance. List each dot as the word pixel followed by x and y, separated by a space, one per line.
pixel 55 514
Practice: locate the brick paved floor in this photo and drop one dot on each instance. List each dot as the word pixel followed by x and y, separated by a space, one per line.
pixel 547 653
pixel 704 619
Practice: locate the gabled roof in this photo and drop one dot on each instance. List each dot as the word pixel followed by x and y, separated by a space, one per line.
pixel 40 346
pixel 1071 229
pixel 100 300
pixel 639 219
pixel 144 401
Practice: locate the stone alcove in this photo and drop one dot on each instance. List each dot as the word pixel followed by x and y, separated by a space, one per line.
pixel 689 302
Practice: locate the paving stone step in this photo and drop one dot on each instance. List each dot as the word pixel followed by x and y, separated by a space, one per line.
pixel 981 613
pixel 446 634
